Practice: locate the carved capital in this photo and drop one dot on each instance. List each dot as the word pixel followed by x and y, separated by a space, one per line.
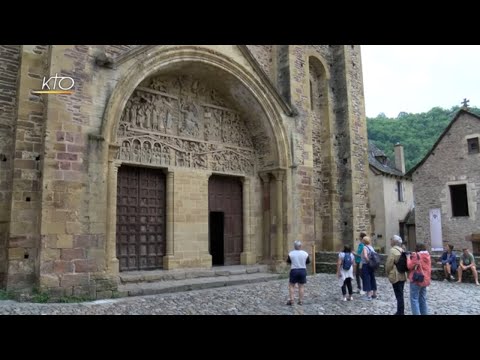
pixel 279 175
pixel 113 151
pixel 265 176
pixel 245 181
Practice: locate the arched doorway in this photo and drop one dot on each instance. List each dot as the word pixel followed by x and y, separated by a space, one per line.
pixel 225 208
pixel 194 113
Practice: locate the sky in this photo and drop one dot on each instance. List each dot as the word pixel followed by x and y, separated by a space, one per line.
pixel 416 78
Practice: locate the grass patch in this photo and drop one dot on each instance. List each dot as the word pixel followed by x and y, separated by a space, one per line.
pixel 40 297
pixel 6 295
pixel 74 299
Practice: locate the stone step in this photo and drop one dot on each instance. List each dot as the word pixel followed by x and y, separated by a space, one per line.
pixel 171 286
pixel 191 273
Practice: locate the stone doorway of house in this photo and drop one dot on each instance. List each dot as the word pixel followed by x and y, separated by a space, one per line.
pixel 141 218
pixel 225 219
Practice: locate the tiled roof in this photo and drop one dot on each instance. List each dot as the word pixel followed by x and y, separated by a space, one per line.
pixel 387 167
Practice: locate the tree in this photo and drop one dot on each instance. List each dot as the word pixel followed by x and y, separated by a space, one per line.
pixel 416 132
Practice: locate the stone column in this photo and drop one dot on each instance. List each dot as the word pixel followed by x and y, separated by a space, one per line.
pixel 279 176
pixel 167 260
pixel 112 261
pixel 266 215
pixel 248 256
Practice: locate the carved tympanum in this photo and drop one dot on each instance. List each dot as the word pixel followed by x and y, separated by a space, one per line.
pixel 180 122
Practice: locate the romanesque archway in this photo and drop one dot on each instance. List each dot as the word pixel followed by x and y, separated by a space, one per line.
pixel 192 109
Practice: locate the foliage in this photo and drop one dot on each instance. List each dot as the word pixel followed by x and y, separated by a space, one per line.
pixel 40 296
pixel 416 132
pixel 74 299
pixel 6 295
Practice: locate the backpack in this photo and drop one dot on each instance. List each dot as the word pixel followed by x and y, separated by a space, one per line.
pixel 347 261
pixel 373 259
pixel 402 263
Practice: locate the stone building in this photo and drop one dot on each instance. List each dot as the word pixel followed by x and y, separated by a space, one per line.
pixel 166 157
pixel 390 195
pixel 447 180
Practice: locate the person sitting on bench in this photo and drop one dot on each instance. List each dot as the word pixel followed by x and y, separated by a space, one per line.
pixel 467 262
pixel 449 262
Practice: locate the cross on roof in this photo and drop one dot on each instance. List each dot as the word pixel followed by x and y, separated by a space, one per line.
pixel 465 103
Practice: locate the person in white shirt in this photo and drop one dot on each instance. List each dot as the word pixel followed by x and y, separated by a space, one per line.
pixel 345 272
pixel 298 259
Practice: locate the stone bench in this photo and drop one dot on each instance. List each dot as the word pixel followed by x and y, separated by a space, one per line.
pixel 437 272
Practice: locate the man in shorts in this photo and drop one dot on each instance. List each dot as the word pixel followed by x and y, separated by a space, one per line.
pixel 298 259
pixel 467 262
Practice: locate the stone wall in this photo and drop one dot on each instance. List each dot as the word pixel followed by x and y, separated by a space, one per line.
pixel 343 213
pixel 24 237
pixel 395 211
pixel 331 136
pixel 387 209
pixel 64 245
pixel 431 184
pixel 116 50
pixel 303 206
pixel 9 66
pixel 322 152
pixel 265 57
pixel 358 140
pixel 281 76
pixel 377 203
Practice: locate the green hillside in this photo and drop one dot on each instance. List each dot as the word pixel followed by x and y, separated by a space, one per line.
pixel 416 132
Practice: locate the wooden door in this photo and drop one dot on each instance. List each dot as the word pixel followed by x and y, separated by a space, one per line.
pixel 141 218
pixel 225 195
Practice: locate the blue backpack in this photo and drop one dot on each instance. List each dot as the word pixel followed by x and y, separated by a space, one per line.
pixel 347 261
pixel 373 259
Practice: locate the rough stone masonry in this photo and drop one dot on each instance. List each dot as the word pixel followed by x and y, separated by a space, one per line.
pixel 175 156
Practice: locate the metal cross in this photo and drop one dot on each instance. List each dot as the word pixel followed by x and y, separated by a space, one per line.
pixel 465 103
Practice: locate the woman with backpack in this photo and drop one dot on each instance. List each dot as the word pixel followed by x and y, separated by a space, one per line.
pixel 345 271
pixel 395 269
pixel 420 274
pixel 368 270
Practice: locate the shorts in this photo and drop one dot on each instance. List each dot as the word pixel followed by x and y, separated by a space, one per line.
pixel 298 276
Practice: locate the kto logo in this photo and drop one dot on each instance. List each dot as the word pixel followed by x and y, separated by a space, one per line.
pixel 60 85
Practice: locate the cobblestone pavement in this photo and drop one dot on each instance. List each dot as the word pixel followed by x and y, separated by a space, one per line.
pixel 322 296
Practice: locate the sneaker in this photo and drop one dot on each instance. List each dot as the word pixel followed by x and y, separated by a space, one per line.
pixel 374 296
pixel 350 298
pixel 362 292
pixel 452 278
pixel 289 302
pixel 358 291
pixel 367 298
pixel 300 302
pixel 344 299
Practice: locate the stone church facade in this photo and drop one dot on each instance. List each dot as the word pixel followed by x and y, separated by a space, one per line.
pixel 168 157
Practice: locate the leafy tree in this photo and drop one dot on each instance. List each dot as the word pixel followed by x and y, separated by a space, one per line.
pixel 416 132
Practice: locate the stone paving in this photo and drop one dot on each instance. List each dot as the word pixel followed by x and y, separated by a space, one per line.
pixel 322 297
